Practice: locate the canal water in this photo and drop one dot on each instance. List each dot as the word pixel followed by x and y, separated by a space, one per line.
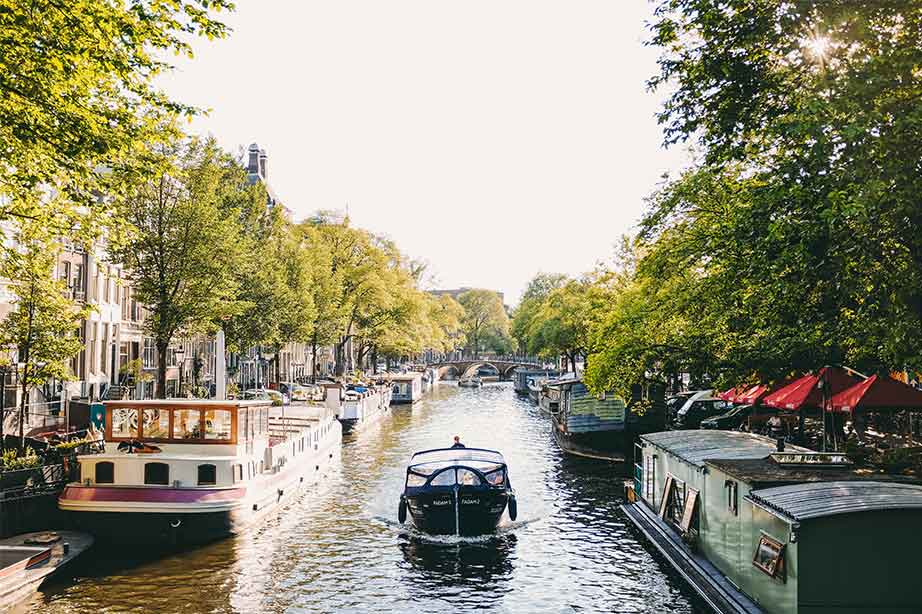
pixel 340 548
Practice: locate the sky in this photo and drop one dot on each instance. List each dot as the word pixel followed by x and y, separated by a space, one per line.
pixel 491 139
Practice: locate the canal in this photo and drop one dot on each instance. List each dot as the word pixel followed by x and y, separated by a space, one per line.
pixel 340 549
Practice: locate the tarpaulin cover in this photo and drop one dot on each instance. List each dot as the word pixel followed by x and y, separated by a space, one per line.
pixel 878 392
pixel 803 393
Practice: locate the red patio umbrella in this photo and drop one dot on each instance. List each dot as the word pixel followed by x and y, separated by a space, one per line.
pixel 803 392
pixel 752 395
pixel 875 393
pixel 729 394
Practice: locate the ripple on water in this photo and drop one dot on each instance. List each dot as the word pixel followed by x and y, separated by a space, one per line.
pixel 340 548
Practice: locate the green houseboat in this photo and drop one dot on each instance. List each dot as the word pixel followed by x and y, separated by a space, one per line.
pixel 754 528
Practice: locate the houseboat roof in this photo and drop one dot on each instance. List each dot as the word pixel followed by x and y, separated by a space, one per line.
pixel 186 403
pixel 405 376
pixel 820 499
pixel 697 446
pixel 765 471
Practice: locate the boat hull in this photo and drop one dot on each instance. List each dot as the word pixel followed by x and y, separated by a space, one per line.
pixel 475 512
pixel 607 445
pixel 157 529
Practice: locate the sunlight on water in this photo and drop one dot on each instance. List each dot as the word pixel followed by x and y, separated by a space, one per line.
pixel 340 548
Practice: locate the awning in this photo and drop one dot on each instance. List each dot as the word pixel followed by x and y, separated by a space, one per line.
pixel 803 393
pixel 729 394
pixel 876 393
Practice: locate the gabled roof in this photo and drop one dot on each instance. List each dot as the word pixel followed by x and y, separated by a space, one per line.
pixel 820 499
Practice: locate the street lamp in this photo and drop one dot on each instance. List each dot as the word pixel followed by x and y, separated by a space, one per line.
pixel 180 354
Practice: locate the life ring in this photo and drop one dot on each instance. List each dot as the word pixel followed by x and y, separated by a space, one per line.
pixel 513 508
pixel 175 523
pixel 402 510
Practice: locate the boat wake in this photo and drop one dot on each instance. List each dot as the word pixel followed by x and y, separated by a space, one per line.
pixel 410 531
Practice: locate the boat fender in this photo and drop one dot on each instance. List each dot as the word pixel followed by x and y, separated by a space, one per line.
pixel 302 478
pixel 281 492
pixel 331 455
pixel 175 523
pixel 255 507
pixel 316 467
pixel 513 508
pixel 402 510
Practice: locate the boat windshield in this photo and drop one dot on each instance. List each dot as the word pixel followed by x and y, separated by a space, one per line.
pixel 456 455
pixel 430 468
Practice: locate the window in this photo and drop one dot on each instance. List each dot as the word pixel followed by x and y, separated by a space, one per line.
pixel 218 424
pixel 446 478
pixel 414 480
pixel 496 478
pixel 156 473
pixel 769 556
pixel 207 475
pixel 156 424
pixel 187 424
pixel 150 353
pixel 264 420
pixel 238 473
pixel 124 423
pixel 104 349
pixel 467 477
pixel 732 488
pixel 105 473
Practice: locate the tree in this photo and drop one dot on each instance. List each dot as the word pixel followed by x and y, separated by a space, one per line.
pixel 77 93
pixel 795 241
pixel 484 315
pixel 533 298
pixel 184 249
pixel 43 326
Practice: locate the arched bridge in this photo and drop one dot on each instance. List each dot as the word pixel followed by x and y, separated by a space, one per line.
pixel 468 366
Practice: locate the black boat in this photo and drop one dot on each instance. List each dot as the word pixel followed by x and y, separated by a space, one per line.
pixel 457 491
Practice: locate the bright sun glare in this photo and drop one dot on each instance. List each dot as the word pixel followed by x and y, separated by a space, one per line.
pixel 817 46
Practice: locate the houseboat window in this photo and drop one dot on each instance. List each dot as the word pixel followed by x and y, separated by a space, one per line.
pixel 238 473
pixel 124 423
pixel 496 478
pixel 217 424
pixel 252 419
pixel 769 556
pixel 243 423
pixel 466 477
pixel 105 473
pixel 156 473
pixel 187 424
pixel 207 475
pixel 732 496
pixel 446 478
pixel 156 424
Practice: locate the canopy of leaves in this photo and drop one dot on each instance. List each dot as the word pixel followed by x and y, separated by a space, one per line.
pixel 485 320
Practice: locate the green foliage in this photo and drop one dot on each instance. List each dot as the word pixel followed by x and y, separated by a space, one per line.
pixel 77 93
pixel 14 460
pixel 485 323
pixel 183 252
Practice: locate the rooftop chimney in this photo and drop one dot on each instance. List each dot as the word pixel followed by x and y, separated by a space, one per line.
pixel 253 159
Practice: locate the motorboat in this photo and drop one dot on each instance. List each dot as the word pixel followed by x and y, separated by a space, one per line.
pixel 470 382
pixel 457 491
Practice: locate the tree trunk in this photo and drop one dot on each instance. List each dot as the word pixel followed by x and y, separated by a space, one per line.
pixel 161 369
pixel 315 365
pixel 374 361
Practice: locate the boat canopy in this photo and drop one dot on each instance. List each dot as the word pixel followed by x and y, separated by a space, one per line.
pixel 448 455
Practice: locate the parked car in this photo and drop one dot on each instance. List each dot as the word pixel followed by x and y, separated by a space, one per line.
pixel 699 406
pixel 265 394
pixel 675 402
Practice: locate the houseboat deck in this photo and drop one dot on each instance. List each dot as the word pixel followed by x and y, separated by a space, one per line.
pixel 707 581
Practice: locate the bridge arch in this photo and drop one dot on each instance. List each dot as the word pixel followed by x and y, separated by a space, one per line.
pixel 472 368
pixel 445 370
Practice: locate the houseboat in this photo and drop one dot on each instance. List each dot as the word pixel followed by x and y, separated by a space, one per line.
pixel 30 559
pixel 521 376
pixel 363 405
pixel 549 399
pixel 757 526
pixel 604 426
pixel 184 471
pixel 406 387
pixel 457 491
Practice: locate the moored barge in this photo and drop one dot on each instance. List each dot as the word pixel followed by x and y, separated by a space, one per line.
pixel 604 426
pixel 183 471
pixel 755 526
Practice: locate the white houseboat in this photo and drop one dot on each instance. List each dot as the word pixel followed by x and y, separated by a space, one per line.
pixel 185 471
pixel 406 387
pixel 364 405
